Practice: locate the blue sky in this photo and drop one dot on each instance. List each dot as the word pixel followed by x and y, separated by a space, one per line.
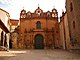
pixel 15 6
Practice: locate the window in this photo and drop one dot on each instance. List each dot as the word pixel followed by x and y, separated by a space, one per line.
pixel 48 14
pixel 29 14
pixel 38 11
pixel 54 11
pixel 38 14
pixel 74 24
pixel 23 12
pixel 38 25
pixel 71 7
pixel 53 15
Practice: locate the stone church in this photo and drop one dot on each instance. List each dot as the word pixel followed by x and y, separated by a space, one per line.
pixel 37 30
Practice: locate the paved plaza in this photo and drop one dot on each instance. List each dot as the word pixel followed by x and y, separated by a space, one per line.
pixel 55 54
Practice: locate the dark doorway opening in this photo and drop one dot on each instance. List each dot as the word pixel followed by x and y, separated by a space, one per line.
pixel 10 44
pixel 2 38
pixel 39 42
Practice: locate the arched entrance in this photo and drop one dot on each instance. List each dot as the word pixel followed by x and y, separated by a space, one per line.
pixel 39 42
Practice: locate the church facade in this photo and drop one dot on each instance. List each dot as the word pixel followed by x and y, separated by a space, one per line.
pixel 38 30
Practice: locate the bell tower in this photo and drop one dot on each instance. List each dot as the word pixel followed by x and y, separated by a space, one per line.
pixel 23 14
pixel 54 13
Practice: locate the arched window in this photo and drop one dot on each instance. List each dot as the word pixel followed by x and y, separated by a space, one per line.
pixel 38 25
pixel 48 14
pixel 29 14
pixel 71 7
pixel 74 24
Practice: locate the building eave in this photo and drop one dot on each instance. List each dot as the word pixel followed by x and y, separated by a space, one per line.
pixel 3 27
pixel 4 10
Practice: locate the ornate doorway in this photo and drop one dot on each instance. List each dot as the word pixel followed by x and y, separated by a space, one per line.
pixel 39 42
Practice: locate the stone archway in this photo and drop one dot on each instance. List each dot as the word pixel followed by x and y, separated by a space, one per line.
pixel 39 42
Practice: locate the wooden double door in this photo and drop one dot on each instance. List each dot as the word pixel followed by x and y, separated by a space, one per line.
pixel 39 42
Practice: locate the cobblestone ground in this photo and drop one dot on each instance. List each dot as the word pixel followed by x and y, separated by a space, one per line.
pixel 55 54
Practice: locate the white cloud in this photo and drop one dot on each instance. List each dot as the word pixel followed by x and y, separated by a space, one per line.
pixel 2 1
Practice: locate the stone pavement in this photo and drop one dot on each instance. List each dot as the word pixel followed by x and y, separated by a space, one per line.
pixel 55 54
